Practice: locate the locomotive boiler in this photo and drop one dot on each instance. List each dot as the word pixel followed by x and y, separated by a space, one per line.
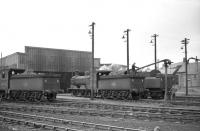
pixel 80 85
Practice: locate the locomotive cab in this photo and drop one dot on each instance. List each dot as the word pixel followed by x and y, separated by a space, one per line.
pixel 156 85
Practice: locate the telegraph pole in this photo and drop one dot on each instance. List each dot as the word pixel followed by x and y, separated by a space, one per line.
pixel 155 50
pixel 166 86
pixel 1 61
pixel 92 70
pixel 166 64
pixel 185 42
pixel 197 64
pixel 127 40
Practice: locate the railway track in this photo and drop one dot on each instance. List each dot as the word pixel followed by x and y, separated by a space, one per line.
pixel 52 123
pixel 185 103
pixel 115 107
pixel 179 101
pixel 155 114
pixel 188 98
pixel 120 113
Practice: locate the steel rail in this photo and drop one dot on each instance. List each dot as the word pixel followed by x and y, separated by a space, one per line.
pixel 35 124
pixel 66 122
pixel 174 117
pixel 84 104
pixel 113 107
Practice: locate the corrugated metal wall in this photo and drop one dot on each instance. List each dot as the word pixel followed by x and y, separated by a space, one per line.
pixel 56 60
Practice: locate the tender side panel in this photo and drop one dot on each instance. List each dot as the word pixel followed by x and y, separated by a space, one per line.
pixel 152 82
pixel 114 84
pixel 51 84
pixel 30 84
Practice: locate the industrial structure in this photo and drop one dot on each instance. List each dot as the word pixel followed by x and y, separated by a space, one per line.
pixel 15 60
pixel 48 60
pixel 193 74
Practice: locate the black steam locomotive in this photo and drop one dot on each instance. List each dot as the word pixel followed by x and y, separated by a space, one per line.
pixel 125 86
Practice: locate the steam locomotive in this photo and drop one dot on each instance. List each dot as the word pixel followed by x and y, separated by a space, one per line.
pixel 109 86
pixel 132 86
pixel 16 85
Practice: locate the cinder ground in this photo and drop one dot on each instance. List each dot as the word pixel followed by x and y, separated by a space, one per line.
pixel 144 124
pixel 141 124
pixel 147 103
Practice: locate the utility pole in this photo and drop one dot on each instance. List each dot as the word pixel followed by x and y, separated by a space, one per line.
pixel 185 42
pixel 92 66
pixel 1 62
pixel 155 50
pixel 166 63
pixel 197 64
pixel 127 40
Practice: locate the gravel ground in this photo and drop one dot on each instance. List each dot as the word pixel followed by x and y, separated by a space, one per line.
pixel 14 127
pixel 9 127
pixel 4 127
pixel 128 123
pixel 160 103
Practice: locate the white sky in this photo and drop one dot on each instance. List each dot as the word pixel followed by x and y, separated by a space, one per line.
pixel 64 24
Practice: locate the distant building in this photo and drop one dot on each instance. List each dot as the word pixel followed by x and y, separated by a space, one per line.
pixel 15 60
pixel 193 73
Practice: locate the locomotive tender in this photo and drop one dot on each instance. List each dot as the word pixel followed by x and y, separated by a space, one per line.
pixel 28 86
pixel 109 86
pixel 122 87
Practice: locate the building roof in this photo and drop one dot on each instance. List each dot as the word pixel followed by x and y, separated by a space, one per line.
pixel 54 49
pixel 13 54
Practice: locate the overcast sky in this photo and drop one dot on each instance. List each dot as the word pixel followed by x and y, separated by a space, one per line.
pixel 64 24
